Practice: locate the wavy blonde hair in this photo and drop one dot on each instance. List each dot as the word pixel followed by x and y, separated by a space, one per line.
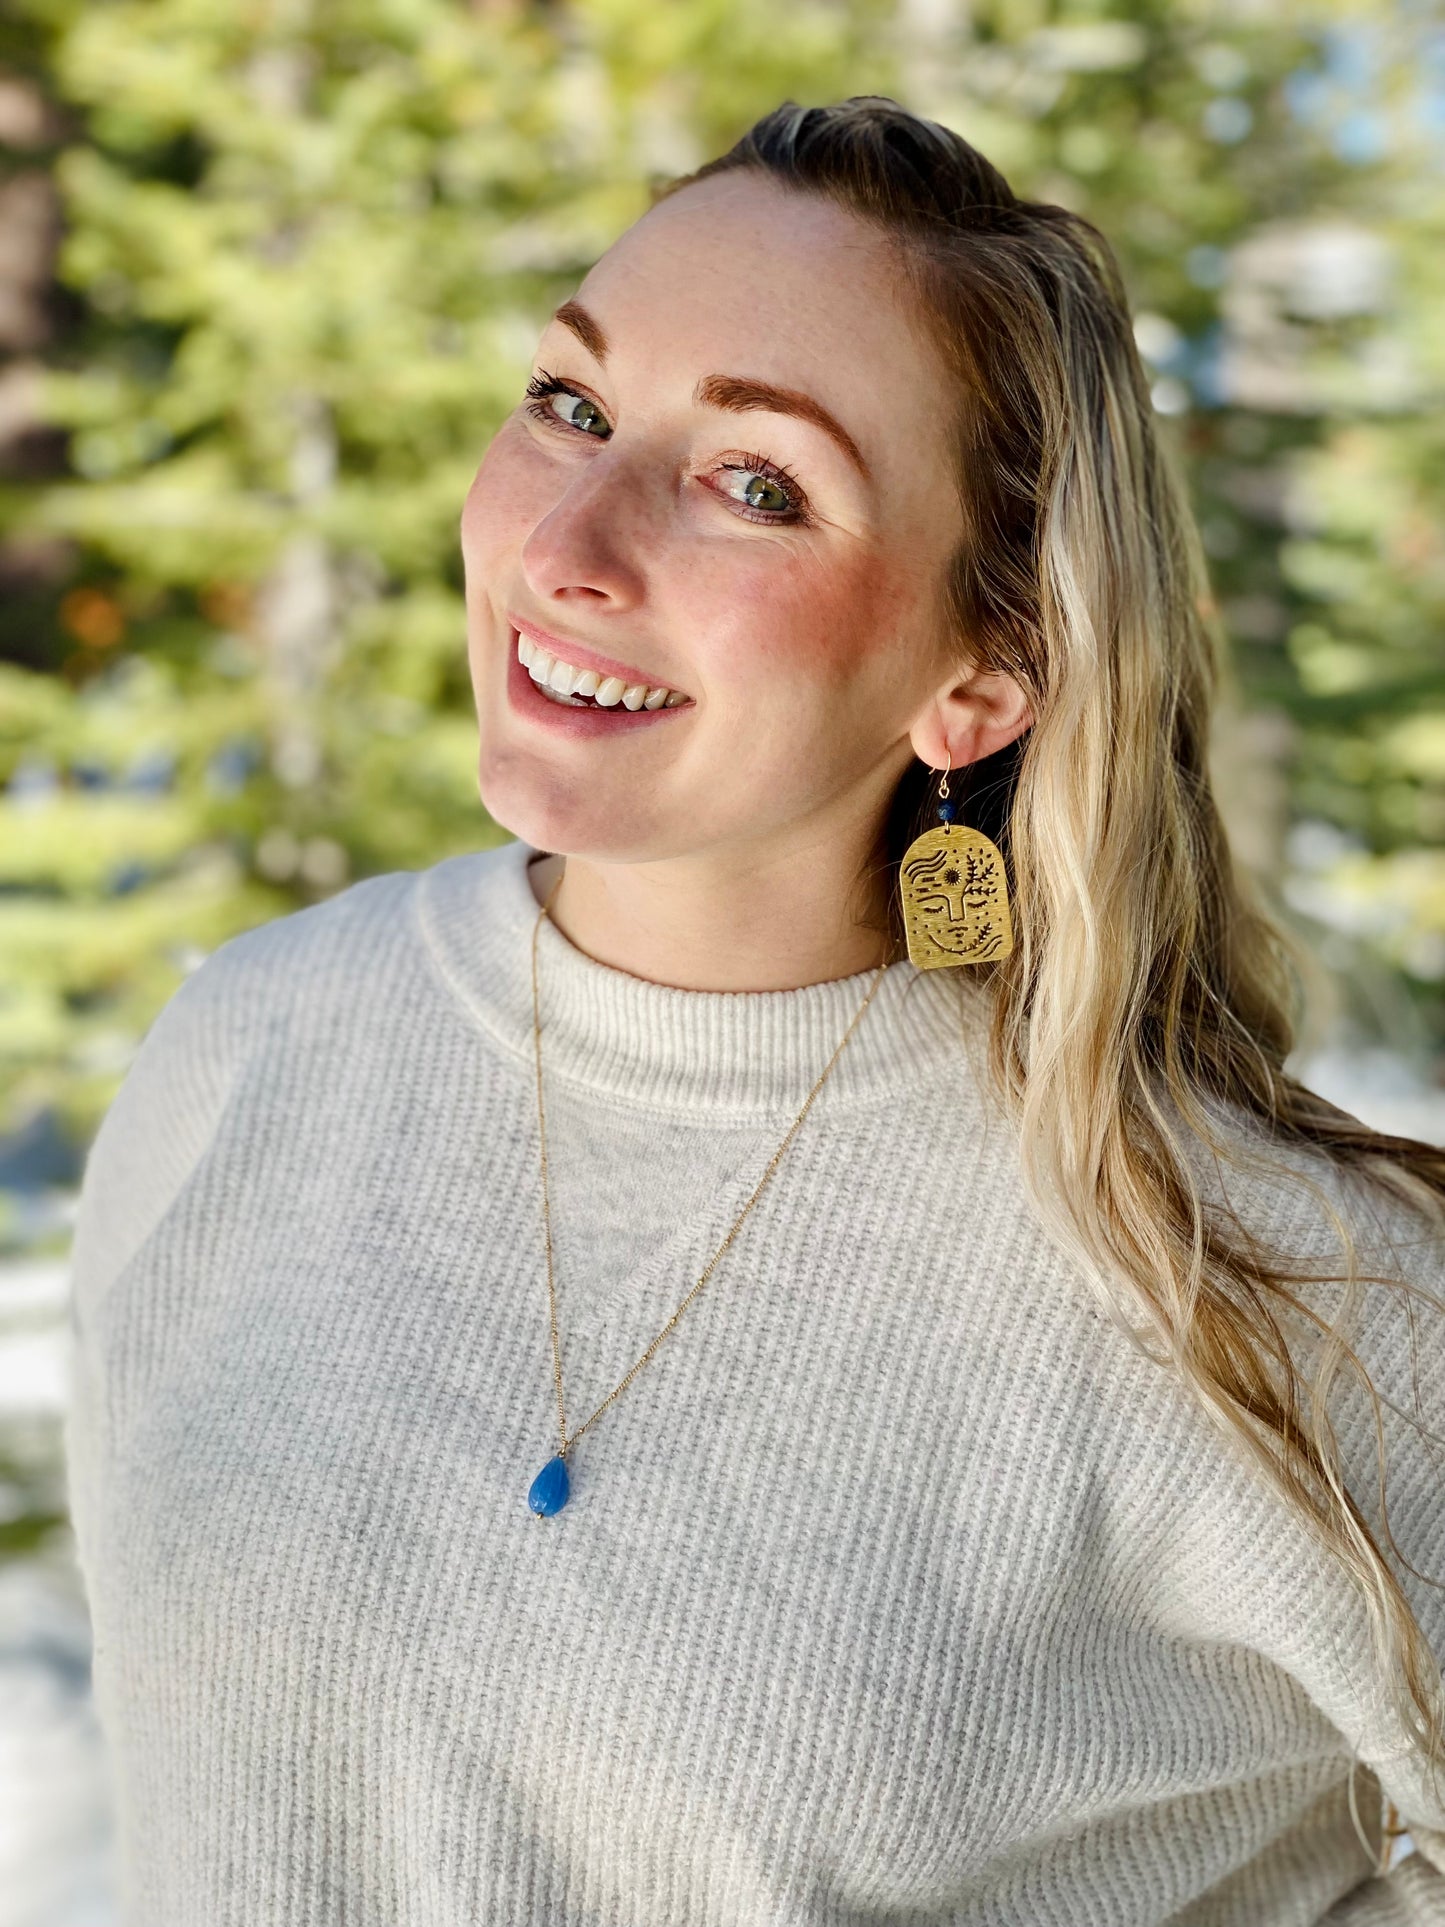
pixel 1147 1009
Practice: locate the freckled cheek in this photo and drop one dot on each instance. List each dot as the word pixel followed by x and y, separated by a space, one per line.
pixel 811 624
pixel 505 502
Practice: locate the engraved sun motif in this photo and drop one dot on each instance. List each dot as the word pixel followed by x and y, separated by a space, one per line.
pixel 955 900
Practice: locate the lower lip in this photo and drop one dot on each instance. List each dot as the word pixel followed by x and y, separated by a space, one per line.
pixel 586 719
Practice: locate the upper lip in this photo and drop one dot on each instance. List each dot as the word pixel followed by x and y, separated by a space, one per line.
pixel 584 658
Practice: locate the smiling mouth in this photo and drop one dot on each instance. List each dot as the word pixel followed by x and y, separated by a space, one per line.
pixel 575 688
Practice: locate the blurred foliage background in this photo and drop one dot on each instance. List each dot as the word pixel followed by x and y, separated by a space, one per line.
pixel 271 274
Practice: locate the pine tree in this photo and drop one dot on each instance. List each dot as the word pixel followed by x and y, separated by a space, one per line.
pixel 309 247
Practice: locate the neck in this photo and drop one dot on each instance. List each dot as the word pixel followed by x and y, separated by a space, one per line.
pixel 707 922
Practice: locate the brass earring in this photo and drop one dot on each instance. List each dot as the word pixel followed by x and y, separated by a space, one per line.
pixel 954 894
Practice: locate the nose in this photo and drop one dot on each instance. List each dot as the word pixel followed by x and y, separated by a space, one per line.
pixel 587 548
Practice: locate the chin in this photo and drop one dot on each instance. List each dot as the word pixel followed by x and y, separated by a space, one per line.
pixel 540 822
pixel 530 823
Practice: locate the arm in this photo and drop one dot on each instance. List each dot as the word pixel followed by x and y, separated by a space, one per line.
pixel 249 993
pixel 151 1139
pixel 1411 1894
pixel 1402 1343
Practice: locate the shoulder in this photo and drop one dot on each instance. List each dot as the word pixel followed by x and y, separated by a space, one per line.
pixel 1359 1256
pixel 284 960
pixel 1365 1259
pixel 251 995
pixel 1298 1200
pixel 255 988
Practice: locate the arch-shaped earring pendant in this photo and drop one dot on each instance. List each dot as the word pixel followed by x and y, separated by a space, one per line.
pixel 955 898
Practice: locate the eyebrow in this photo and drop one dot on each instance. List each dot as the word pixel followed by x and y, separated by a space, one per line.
pixel 736 392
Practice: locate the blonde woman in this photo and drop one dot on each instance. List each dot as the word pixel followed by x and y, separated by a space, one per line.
pixel 756 1353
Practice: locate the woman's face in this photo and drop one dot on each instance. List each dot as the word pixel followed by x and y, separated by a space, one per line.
pixel 660 514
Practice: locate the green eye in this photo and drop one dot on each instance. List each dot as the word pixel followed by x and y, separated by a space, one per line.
pixel 787 502
pixel 586 415
pixel 770 494
pixel 758 487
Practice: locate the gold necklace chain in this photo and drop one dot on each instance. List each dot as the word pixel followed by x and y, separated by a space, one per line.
pixel 541 1501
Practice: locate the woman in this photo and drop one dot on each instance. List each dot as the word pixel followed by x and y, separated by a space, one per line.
pixel 960 1531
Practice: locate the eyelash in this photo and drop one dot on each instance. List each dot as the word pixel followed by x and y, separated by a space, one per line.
pixel 542 385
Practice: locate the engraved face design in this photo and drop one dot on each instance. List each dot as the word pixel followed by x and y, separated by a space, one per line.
pixel 955 899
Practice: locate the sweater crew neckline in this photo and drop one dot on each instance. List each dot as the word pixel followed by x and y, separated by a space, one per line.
pixel 715 1053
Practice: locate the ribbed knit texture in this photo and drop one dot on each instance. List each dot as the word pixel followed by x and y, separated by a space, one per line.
pixel 897 1587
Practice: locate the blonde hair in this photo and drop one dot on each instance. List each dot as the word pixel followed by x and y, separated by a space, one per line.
pixel 1146 1012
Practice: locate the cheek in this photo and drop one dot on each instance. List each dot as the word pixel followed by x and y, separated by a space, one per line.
pixel 824 621
pixel 504 502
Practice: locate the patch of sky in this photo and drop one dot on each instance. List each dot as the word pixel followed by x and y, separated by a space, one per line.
pixel 1170 397
pixel 1220 65
pixel 1339 95
pixel 125 877
pixel 1430 73
pixel 1227 118
pixel 1207 266
pixel 1205 366
pixel 232 763
pixel 1306 94
pixel 1157 338
pixel 1352 55
pixel 1312 844
pixel 152 772
pixel 1188 366
pixel 1360 136
pixel 33 781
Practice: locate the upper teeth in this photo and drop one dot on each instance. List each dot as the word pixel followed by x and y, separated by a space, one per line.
pixel 567 680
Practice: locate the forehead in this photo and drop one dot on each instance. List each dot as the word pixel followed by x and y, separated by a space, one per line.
pixel 739 275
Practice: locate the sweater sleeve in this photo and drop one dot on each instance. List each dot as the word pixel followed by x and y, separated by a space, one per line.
pixel 1411 1894
pixel 1296 1203
pixel 148 1143
pixel 245 997
pixel 1401 1341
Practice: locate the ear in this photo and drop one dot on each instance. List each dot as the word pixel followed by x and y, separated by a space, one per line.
pixel 971 717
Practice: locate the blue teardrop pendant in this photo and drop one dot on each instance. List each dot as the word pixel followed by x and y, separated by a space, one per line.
pixel 550 1489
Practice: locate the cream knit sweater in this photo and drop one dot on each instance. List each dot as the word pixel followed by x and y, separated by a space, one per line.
pixel 896 1588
